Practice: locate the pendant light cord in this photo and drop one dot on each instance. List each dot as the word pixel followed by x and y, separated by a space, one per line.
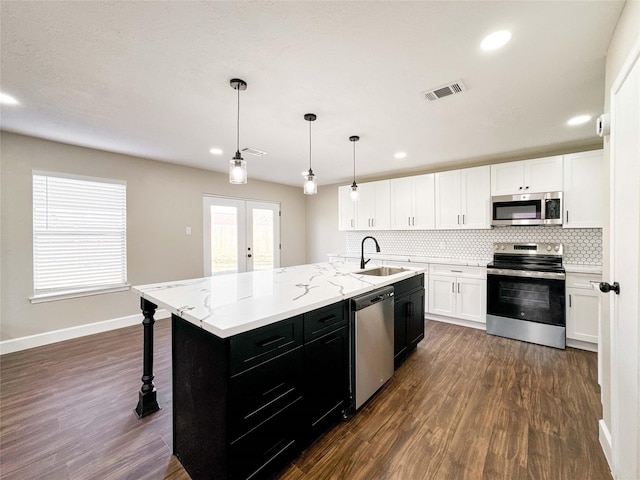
pixel 354 162
pixel 238 123
pixel 309 145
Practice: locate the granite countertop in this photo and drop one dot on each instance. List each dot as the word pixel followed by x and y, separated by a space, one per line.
pixel 226 305
pixel 471 262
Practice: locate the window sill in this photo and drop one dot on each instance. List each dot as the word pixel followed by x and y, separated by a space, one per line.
pixel 52 297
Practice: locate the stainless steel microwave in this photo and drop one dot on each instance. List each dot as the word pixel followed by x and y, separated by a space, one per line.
pixel 527 209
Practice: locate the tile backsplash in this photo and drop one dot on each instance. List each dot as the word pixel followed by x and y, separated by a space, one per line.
pixel 582 246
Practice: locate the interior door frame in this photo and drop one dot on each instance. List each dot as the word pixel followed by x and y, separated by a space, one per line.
pixel 617 416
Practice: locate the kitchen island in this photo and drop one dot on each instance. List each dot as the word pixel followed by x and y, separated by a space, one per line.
pixel 261 360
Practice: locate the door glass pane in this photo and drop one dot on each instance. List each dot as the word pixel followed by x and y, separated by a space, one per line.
pixel 224 239
pixel 263 243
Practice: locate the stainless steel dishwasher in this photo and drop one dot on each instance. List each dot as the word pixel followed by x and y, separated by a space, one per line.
pixel 372 343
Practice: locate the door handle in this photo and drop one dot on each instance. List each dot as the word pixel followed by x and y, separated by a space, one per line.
pixel 453 287
pixel 606 288
pixel 463 218
pixel 410 309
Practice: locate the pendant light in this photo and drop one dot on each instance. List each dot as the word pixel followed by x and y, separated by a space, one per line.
pixel 237 165
pixel 310 183
pixel 355 196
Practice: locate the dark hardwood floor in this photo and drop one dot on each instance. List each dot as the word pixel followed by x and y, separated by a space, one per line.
pixel 465 405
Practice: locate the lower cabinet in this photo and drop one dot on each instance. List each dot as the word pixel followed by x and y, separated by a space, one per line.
pixel 326 379
pixel 583 307
pixel 408 312
pixel 459 292
pixel 245 406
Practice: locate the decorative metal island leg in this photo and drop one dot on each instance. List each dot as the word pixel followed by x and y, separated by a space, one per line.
pixel 147 402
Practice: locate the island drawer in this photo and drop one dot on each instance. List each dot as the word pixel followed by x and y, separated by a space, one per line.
pixel 260 392
pixel 264 450
pixel 257 346
pixel 409 284
pixel 324 320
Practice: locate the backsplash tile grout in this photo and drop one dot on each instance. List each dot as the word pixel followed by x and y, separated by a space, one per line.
pixel 582 246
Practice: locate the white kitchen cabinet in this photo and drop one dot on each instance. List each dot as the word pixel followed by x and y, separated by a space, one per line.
pixel 584 190
pixel 527 176
pixel 413 202
pixel 459 292
pixel 462 199
pixel 583 307
pixel 373 211
pixel 346 209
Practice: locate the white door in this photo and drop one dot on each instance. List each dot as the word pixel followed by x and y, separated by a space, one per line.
pixel 346 209
pixel 625 268
pixel 471 303
pixel 424 198
pixel 240 235
pixel 476 192
pixel 448 200
pixel 401 203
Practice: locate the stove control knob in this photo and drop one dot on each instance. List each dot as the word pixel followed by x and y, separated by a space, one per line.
pixel 497 247
pixel 502 247
pixel 557 248
pixel 548 248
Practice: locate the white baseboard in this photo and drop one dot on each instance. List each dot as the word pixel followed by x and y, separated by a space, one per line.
pixel 579 344
pixel 47 338
pixel 605 442
pixel 456 321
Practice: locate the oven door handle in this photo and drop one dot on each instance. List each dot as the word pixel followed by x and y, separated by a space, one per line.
pixel 525 273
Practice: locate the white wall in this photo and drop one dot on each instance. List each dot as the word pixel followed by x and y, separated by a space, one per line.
pixel 162 199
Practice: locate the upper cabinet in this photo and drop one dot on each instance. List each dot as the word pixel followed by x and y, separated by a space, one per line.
pixel 527 176
pixel 373 210
pixel 462 199
pixel 370 212
pixel 346 209
pixel 413 203
pixel 584 190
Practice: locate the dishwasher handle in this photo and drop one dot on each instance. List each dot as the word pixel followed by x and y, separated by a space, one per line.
pixel 371 298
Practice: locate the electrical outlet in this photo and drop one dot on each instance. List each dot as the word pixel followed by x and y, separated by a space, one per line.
pixel 188 231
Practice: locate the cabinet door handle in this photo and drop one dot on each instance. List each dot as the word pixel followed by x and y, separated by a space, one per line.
pixel 270 341
pixel 456 271
pixel 519 188
pixel 409 221
pixel 463 218
pixel 327 319
pixel 458 219
pixel 527 187
pixel 331 340
pixel 458 288
pixel 567 216
pixel 453 287
pixel 410 309
pixel 413 221
pixel 569 300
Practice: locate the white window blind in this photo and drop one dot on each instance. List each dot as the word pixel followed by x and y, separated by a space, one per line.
pixel 79 234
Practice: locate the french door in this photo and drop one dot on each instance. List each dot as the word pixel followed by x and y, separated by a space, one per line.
pixel 240 235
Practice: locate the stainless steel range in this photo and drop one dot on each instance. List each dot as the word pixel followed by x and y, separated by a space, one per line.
pixel 526 293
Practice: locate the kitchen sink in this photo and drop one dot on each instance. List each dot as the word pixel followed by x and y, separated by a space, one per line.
pixel 382 271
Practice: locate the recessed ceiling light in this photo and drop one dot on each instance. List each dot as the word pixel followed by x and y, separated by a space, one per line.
pixel 216 151
pixel 7 99
pixel 400 155
pixel 495 40
pixel 578 120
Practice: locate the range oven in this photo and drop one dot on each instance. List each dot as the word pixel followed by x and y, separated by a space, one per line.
pixel 526 293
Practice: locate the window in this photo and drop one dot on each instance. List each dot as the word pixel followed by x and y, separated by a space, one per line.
pixel 79 236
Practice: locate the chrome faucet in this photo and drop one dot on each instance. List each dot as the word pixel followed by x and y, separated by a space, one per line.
pixel 362 262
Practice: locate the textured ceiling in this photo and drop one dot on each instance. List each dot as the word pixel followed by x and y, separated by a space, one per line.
pixel 152 79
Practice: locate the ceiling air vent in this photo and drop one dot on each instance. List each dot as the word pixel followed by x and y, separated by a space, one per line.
pixel 444 91
pixel 254 151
